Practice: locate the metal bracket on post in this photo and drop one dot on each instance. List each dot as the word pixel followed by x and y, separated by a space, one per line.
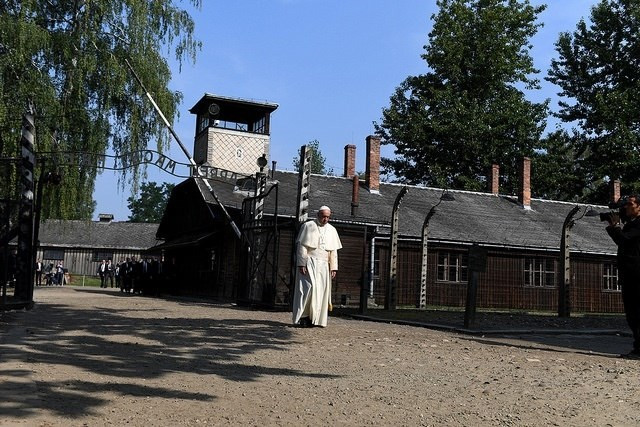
pixel 390 301
pixel 445 196
pixel 564 288
pixel 423 265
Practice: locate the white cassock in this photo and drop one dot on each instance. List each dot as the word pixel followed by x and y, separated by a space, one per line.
pixel 317 249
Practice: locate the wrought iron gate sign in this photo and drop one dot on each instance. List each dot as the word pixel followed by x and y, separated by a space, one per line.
pixel 134 158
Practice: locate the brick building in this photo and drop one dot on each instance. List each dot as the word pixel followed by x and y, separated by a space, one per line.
pixel 521 236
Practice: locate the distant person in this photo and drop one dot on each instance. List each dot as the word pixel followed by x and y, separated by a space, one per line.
pixel 39 270
pixel 60 274
pixel 126 272
pixel 144 269
pixel 137 276
pixel 317 263
pixel 49 272
pixel 627 237
pixel 118 275
pixel 111 271
pixel 102 272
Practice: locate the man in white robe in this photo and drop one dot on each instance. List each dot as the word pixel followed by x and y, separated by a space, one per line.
pixel 317 263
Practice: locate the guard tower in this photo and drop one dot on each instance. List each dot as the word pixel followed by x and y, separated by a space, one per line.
pixel 231 133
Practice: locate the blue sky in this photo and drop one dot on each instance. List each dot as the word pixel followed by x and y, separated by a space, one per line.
pixel 330 65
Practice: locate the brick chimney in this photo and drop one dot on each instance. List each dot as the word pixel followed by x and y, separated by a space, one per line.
pixel 614 190
pixel 349 161
pixel 494 180
pixel 355 195
pixel 372 172
pixel 524 197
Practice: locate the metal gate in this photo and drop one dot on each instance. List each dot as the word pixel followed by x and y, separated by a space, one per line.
pixel 260 237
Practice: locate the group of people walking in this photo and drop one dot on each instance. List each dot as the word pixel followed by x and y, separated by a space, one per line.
pixel 107 272
pixel 130 275
pixel 50 274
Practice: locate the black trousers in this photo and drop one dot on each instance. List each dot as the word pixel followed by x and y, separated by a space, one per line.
pixel 629 275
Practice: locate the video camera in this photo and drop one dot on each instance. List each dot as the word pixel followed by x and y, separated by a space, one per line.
pixel 619 205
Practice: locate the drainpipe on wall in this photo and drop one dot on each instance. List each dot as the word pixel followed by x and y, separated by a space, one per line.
pixel 372 261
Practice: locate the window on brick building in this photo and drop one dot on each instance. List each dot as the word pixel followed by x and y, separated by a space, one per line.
pixel 610 278
pixel 452 267
pixel 99 255
pixel 53 254
pixel 540 272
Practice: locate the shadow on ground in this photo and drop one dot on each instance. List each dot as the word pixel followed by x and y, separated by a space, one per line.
pixel 599 335
pixel 601 345
pixel 135 344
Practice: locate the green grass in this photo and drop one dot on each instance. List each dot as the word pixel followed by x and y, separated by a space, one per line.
pixel 79 280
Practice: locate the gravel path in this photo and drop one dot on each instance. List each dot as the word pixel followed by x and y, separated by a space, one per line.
pixel 97 357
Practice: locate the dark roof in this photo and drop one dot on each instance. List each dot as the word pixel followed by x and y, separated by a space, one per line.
pixel 234 109
pixel 91 234
pixel 473 217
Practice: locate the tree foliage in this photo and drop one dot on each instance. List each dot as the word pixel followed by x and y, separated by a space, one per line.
pixel 598 70
pixel 558 171
pixel 318 161
pixel 468 110
pixel 150 205
pixel 68 59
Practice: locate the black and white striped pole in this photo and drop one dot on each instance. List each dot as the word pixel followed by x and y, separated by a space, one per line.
pixel 261 187
pixel 24 273
pixel 302 203
pixel 304 173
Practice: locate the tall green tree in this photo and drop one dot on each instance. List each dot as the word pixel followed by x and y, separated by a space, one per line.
pixel 318 161
pixel 149 206
pixel 67 58
pixel 559 172
pixel 468 110
pixel 598 70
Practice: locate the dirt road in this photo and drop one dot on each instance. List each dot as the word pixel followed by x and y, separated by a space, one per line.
pixel 97 357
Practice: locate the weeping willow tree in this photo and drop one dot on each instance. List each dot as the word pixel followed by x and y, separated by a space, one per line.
pixel 67 59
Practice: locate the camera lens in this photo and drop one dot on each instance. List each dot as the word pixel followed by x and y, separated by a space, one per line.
pixel 605 216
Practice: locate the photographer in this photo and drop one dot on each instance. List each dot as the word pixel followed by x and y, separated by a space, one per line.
pixel 627 237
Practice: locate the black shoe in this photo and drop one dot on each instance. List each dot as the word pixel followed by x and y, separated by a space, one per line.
pixel 305 322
